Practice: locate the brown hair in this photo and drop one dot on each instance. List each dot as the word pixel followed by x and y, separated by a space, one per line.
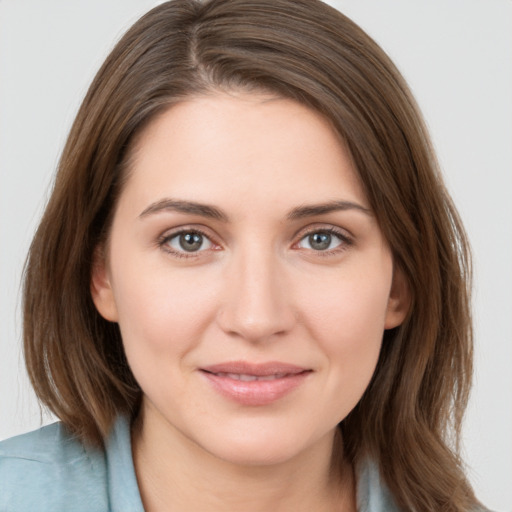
pixel 409 418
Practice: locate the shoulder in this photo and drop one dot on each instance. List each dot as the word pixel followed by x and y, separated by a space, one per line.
pixel 49 469
pixel 372 493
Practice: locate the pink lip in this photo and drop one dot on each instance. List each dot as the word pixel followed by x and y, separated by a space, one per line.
pixel 275 380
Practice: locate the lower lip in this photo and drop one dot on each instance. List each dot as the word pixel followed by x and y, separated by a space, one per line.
pixel 256 392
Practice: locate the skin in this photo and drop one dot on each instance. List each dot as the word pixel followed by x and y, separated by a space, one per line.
pixel 256 290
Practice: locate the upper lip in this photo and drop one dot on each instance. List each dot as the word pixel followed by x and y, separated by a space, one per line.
pixel 256 369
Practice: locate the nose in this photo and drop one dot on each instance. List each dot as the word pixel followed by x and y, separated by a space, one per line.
pixel 257 304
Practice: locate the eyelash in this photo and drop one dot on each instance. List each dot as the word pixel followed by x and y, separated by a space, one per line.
pixel 345 241
pixel 163 242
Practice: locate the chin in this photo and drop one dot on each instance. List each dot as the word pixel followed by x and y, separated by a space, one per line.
pixel 261 447
pixel 256 455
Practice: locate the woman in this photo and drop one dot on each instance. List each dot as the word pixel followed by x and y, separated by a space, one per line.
pixel 249 280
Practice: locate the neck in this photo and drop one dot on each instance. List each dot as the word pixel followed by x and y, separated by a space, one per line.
pixel 174 473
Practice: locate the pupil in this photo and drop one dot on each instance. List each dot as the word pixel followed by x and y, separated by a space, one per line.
pixel 191 241
pixel 320 241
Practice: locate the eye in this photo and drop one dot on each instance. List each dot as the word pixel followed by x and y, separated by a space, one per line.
pixel 187 242
pixel 323 240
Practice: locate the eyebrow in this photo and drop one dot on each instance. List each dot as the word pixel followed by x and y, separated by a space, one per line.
pixel 211 212
pixel 312 210
pixel 189 207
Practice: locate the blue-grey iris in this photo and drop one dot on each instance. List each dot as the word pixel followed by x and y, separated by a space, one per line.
pixel 191 242
pixel 320 241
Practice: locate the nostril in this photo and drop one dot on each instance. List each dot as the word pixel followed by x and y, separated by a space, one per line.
pixel 256 304
pixel 266 325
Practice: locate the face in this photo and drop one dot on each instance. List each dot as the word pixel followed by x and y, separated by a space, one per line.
pixel 249 277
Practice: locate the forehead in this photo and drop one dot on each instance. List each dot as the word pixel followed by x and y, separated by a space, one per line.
pixel 251 148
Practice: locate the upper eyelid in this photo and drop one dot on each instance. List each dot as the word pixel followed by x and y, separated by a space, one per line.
pixel 204 230
pixel 172 232
pixel 330 228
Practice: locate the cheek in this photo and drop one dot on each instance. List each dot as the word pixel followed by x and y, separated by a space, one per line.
pixel 347 322
pixel 351 306
pixel 162 312
pixel 163 318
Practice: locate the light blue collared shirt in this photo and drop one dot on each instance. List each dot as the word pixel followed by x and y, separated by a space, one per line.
pixel 48 470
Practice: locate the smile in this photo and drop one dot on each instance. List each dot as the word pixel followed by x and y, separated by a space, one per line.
pixel 250 378
pixel 255 384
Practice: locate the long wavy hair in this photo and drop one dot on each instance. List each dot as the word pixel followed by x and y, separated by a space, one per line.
pixel 409 419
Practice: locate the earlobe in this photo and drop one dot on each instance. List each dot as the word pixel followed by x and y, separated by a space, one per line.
pixel 399 300
pixel 101 288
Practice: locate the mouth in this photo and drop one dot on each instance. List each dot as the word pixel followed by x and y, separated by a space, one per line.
pixel 250 378
pixel 255 384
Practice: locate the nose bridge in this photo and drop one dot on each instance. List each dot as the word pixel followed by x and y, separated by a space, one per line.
pixel 257 305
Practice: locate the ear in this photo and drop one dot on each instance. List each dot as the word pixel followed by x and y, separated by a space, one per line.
pixel 101 288
pixel 399 300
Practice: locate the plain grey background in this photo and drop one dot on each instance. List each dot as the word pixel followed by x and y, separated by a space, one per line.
pixel 455 54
